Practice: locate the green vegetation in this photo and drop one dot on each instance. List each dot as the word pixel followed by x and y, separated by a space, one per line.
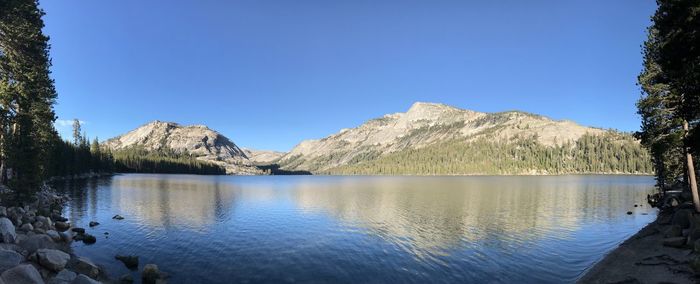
pixel 609 153
pixel 79 157
pixel 139 160
pixel 28 140
pixel 670 102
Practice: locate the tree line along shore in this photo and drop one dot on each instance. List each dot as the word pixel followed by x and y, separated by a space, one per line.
pixel 667 250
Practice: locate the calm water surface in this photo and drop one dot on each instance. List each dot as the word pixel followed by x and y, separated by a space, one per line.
pixel 321 229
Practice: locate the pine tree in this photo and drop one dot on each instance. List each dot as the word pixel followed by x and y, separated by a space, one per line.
pixel 27 95
pixel 671 81
pixel 77 136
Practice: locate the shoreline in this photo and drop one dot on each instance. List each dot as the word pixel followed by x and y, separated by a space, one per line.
pixel 645 257
pixel 36 246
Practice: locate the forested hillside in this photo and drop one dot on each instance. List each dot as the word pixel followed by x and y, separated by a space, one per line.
pixel 610 153
pixel 432 139
pixel 139 160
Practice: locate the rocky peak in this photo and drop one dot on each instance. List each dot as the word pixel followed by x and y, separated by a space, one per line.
pixel 426 124
pixel 197 140
pixel 422 110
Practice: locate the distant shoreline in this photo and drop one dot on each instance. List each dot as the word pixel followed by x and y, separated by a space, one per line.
pixel 408 175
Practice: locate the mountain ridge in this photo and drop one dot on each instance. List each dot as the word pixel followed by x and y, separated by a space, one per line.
pixel 196 140
pixel 427 124
pixel 434 132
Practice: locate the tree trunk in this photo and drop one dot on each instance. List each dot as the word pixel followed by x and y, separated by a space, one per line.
pixel 691 172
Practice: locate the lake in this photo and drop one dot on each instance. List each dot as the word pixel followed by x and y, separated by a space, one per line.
pixel 358 229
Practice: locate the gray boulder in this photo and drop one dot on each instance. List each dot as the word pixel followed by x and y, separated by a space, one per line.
pixel 36 242
pixel 63 277
pixel 22 274
pixel 82 279
pixel 7 231
pixel 9 259
pixel 55 236
pixel 13 247
pixel 61 226
pixel 44 221
pixel 39 225
pixel 26 227
pixel 85 266
pixel 3 211
pixel 52 259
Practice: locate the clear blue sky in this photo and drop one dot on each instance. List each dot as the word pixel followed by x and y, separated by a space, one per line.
pixel 269 74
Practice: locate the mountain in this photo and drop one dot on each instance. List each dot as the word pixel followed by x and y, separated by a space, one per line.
pixel 196 140
pixel 433 138
pixel 262 157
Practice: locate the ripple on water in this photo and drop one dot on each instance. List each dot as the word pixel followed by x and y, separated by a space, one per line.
pixel 360 229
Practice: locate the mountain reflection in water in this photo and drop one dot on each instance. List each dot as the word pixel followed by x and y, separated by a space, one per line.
pixel 366 229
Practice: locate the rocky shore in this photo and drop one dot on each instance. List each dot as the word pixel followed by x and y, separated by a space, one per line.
pixel 665 251
pixel 35 247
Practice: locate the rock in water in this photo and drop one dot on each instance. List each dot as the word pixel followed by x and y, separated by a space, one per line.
pixel 89 239
pixel 78 230
pixel 7 231
pixel 83 279
pixel 676 242
pixel 85 266
pixel 93 224
pixel 130 261
pixel 22 274
pixel 52 259
pixel 61 226
pixel 150 274
pixel 9 259
pixel 118 217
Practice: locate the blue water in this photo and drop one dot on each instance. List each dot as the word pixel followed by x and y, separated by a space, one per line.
pixel 328 229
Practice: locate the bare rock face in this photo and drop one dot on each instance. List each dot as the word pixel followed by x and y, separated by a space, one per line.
pixel 262 157
pixel 422 125
pixel 198 140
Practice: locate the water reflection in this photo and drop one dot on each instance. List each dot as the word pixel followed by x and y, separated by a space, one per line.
pixel 434 215
pixel 184 201
pixel 225 229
